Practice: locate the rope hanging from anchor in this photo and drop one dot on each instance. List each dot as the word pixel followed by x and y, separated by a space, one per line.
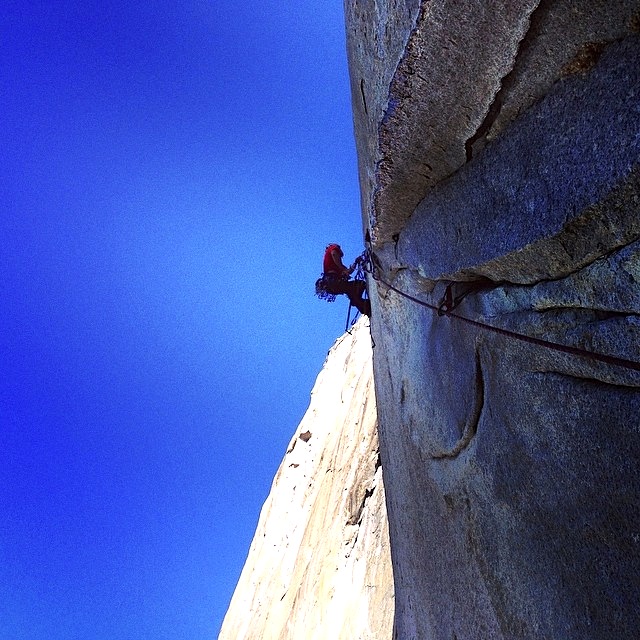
pixel 450 301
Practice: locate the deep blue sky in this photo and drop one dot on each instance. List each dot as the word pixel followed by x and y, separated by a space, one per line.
pixel 170 174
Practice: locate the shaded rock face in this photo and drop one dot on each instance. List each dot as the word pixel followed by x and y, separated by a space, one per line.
pixel 319 565
pixel 433 81
pixel 499 143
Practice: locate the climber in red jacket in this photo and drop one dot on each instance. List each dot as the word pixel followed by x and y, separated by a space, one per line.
pixel 335 280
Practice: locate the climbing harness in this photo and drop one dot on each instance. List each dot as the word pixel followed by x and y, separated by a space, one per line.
pixel 450 301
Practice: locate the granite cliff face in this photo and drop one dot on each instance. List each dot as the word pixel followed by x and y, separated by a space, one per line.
pixel 319 565
pixel 499 158
pixel 499 145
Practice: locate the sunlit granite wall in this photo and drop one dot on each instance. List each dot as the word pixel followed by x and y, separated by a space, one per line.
pixel 319 564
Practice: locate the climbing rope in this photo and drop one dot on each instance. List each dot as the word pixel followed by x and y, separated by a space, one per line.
pixel 360 270
pixel 450 302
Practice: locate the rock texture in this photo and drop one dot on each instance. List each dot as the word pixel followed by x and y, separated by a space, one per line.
pixel 499 143
pixel 319 565
pixel 433 80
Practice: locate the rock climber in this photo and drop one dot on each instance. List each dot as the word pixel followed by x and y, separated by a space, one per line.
pixel 335 280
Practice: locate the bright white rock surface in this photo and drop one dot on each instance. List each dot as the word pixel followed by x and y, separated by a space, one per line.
pixel 319 565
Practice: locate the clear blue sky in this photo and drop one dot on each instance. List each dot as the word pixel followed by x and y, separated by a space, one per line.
pixel 169 177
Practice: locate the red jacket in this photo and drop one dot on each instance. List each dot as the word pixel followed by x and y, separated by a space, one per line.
pixel 328 264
